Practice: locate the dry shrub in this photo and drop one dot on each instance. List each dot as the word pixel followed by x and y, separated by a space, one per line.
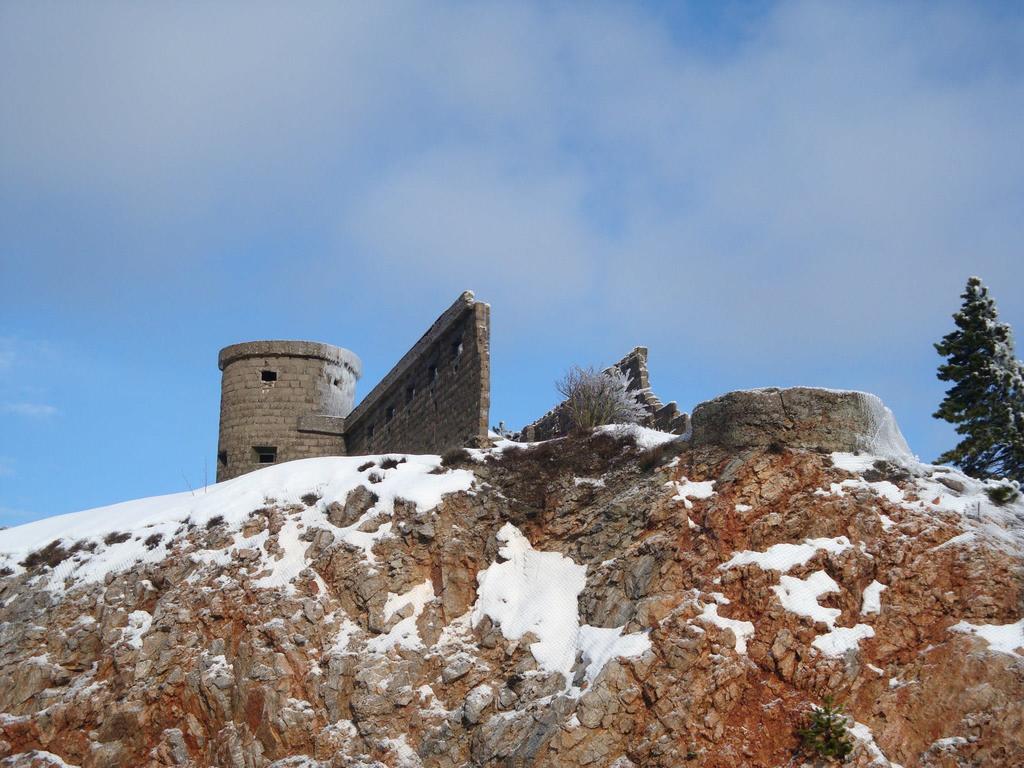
pixel 455 457
pixel 53 554
pixel 594 398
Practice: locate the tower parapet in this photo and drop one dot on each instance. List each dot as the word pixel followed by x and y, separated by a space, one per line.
pixel 270 390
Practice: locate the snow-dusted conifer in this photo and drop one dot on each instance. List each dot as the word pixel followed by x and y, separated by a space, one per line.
pixel 986 401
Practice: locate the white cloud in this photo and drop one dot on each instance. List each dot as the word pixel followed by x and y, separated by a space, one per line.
pixel 32 410
pixel 796 190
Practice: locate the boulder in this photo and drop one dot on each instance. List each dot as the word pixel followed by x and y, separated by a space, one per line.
pixel 799 417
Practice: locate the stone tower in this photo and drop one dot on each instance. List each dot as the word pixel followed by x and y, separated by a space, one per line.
pixel 275 398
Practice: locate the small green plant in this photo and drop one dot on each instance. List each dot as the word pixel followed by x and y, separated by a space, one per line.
pixel 827 733
pixel 1003 494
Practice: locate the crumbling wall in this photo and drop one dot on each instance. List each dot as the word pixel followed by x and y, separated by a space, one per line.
pixel 664 417
pixel 438 395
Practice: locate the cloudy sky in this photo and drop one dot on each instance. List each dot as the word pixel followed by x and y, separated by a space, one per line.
pixel 762 193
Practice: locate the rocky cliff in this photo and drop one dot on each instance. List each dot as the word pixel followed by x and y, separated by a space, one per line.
pixel 624 599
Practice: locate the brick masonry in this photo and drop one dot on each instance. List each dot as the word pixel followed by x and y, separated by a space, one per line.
pixel 437 397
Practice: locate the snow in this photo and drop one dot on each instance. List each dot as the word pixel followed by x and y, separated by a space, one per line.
pixel 600 645
pixel 855 463
pixel 872 598
pixel 405 754
pixel 842 639
pixel 645 436
pixel 784 557
pixel 36 755
pixel 885 438
pixel 687 490
pixel 138 625
pixel 743 630
pixel 863 734
pixel 404 633
pixel 534 591
pixel 800 596
pixel 1001 638
pixel 343 636
pixel 984 522
pixel 234 500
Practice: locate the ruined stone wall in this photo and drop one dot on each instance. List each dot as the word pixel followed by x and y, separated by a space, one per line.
pixel 438 395
pixel 298 414
pixel 664 417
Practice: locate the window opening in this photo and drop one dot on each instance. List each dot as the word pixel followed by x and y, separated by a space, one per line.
pixel 265 454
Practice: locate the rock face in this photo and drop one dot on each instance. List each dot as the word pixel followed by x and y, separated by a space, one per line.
pixel 799 417
pixel 690 602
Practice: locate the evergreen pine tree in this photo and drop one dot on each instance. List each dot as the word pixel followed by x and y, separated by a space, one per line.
pixel 986 401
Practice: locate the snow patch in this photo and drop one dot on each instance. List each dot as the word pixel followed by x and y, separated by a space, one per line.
pixel 600 645
pixel 1001 638
pixel 645 436
pixel 842 639
pixel 139 623
pixel 404 633
pixel 534 591
pixel 863 734
pixel 872 598
pixel 687 490
pixel 785 557
pixel 743 630
pixel 800 596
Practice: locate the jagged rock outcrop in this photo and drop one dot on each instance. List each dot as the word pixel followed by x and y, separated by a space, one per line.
pixel 625 599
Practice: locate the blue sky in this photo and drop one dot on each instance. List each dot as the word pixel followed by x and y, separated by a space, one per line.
pixel 762 193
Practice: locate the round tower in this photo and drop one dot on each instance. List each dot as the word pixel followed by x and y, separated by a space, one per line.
pixel 282 400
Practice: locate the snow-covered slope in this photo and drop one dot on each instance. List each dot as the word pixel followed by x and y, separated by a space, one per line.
pixel 160 519
pixel 620 600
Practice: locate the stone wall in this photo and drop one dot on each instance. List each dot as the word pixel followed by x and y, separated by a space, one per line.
pixel 309 379
pixel 667 418
pixel 438 395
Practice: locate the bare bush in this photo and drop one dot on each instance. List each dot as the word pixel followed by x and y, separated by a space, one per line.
pixel 594 398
